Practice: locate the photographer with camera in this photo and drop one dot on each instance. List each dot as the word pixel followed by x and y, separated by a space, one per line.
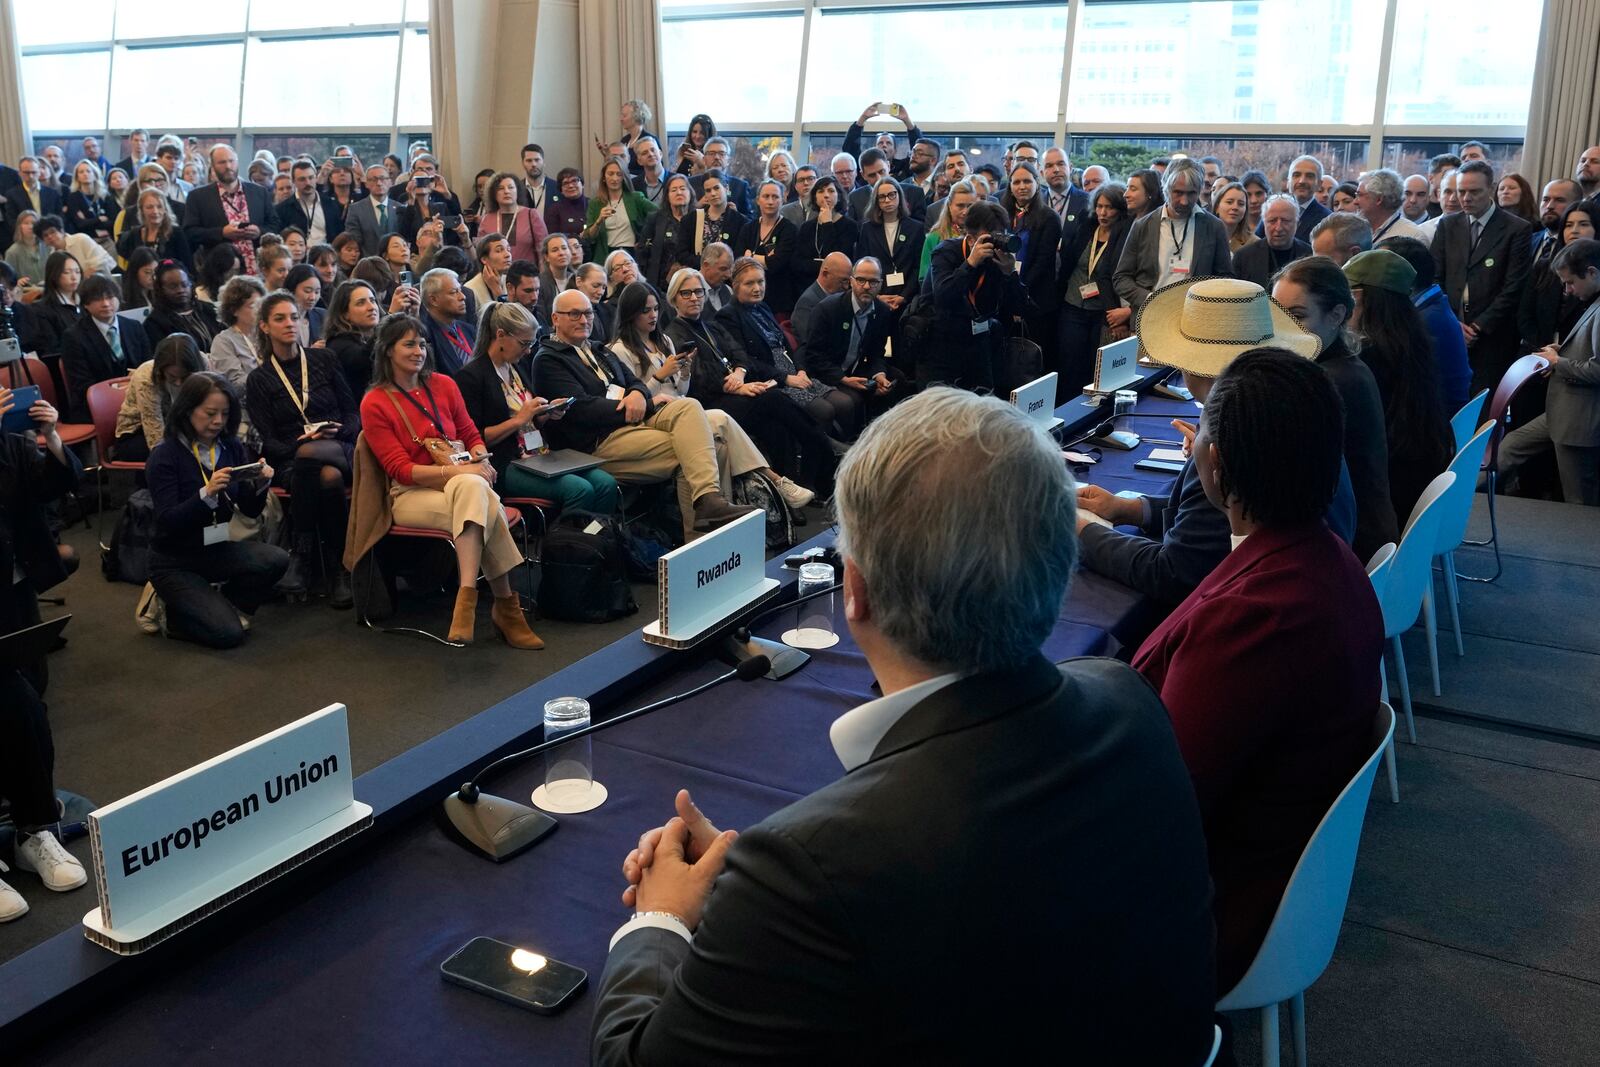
pixel 976 294
pixel 199 476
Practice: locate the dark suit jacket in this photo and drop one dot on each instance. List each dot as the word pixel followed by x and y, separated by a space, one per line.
pixel 916 201
pixel 361 221
pixel 440 348
pixel 86 359
pixel 900 166
pixel 1184 541
pixel 1067 863
pixel 779 249
pixel 1138 271
pixel 1076 217
pixel 1493 274
pixel 825 346
pixel 552 192
pixel 1072 247
pixel 558 370
pixel 49 200
pixel 904 258
pixel 1366 449
pixel 203 217
pixel 1254 262
pixel 292 213
pixel 485 400
pixel 738 193
pixel 1267 670
pixel 804 305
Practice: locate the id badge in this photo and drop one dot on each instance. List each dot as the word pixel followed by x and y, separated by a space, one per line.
pixel 1180 270
pixel 214 534
pixel 1089 291
pixel 980 326
pixel 613 392
pixel 895 279
pixel 309 428
pixel 532 441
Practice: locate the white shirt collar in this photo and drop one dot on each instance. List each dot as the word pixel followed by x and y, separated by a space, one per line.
pixel 857 733
pixel 1237 539
pixel 105 327
pixel 1483 220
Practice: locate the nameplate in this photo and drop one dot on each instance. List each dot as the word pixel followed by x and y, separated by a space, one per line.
pixel 1116 366
pixel 1037 400
pixel 178 850
pixel 710 580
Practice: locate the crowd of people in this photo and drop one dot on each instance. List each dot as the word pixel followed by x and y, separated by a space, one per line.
pixel 325 327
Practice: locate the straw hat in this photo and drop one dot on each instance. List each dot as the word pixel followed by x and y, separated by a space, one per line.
pixel 1199 325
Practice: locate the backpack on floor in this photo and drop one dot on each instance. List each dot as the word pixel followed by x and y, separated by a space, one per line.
pixel 757 490
pixel 584 570
pixel 127 559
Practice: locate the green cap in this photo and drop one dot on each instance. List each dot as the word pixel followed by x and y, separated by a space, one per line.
pixel 1381 269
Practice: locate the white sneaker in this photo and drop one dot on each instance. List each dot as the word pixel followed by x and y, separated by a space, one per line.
pixel 12 906
pixel 796 496
pixel 150 614
pixel 57 868
pixel 244 621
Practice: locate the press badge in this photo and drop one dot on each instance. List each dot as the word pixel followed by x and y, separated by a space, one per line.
pixel 532 441
pixel 1089 291
pixel 613 392
pixel 980 326
pixel 214 534
pixel 897 278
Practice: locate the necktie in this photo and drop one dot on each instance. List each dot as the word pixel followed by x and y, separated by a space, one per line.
pixel 116 342
pixel 383 218
pixel 1546 247
pixel 1477 232
pixel 855 337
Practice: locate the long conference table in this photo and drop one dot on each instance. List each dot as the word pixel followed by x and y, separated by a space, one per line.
pixel 338 961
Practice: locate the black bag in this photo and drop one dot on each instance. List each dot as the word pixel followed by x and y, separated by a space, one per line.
pixel 1021 361
pixel 127 559
pixel 757 490
pixel 584 570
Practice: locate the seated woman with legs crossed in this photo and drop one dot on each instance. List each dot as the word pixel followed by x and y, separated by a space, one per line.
pixel 407 409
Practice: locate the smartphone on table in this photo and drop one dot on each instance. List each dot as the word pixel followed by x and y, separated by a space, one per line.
pixel 516 975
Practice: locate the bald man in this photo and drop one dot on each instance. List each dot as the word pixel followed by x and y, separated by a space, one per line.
pixel 832 277
pixel 1094 177
pixel 613 417
pixel 1587 172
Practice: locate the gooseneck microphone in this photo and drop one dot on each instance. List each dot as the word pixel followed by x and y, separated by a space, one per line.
pixel 502 828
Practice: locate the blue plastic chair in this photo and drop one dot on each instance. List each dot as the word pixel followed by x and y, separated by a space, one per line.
pixel 1454 511
pixel 1305 929
pixel 1378 571
pixel 1464 423
pixel 1410 573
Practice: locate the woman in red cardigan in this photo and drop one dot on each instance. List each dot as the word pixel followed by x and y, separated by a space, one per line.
pixel 405 405
pixel 1269 669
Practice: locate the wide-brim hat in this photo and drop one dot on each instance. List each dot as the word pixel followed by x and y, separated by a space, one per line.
pixel 1200 325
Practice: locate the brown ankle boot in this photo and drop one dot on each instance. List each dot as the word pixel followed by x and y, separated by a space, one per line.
pixel 465 618
pixel 512 624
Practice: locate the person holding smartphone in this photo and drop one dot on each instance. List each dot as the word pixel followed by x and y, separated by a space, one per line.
pixel 198 477
pixel 497 388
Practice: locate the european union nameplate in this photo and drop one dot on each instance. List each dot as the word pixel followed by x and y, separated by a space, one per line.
pixel 711 580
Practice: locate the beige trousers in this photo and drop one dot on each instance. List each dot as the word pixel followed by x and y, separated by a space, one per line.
pixel 464 498
pixel 677 437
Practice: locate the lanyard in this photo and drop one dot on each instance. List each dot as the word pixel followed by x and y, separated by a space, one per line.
pixel 1172 231
pixel 1097 251
pixel 972 294
pixel 703 332
pixel 431 412
pixel 595 365
pixel 513 389
pixel 206 469
pixel 459 339
pixel 302 398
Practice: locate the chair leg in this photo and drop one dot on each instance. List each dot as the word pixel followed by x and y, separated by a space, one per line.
pixel 1405 687
pixel 1394 778
pixel 1269 1036
pixel 1297 1026
pixel 1494 536
pixel 1453 592
pixel 1432 625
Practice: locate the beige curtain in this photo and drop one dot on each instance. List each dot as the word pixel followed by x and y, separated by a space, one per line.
pixel 15 140
pixel 1565 116
pixel 447 146
pixel 619 58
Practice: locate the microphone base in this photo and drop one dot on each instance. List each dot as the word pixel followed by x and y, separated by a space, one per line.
pixel 497 827
pixel 785 660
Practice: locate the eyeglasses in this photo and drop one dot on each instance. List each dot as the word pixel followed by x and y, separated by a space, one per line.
pixel 577 314
pixel 870 283
pixel 884 198
pixel 692 292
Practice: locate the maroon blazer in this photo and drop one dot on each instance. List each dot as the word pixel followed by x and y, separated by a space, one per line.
pixel 1269 671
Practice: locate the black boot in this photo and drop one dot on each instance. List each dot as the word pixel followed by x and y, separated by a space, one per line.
pixel 340 595
pixel 302 567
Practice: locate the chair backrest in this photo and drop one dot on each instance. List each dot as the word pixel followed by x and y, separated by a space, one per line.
pixel 105 401
pixel 1456 507
pixel 1305 929
pixel 1465 422
pixel 1412 567
pixel 1516 376
pixel 136 314
pixel 1379 563
pixel 45 381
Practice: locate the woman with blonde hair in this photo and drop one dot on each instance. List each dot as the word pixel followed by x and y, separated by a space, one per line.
pixel 1231 204
pixel 150 176
pixel 155 228
pixel 87 208
pixel 952 219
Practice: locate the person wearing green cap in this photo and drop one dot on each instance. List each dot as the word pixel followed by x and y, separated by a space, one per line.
pixel 1396 347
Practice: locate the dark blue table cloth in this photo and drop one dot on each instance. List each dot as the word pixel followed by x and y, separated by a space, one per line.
pixel 350 973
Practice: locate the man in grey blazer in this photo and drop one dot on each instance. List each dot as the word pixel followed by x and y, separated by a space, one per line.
pixel 375 216
pixel 1482 256
pixel 1571 420
pixel 1174 244
pixel 799 210
pixel 997 814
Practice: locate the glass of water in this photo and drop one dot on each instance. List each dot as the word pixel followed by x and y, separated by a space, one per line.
pixel 814 622
pixel 569 784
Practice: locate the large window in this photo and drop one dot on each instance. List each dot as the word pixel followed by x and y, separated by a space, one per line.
pixel 257 70
pixel 1121 78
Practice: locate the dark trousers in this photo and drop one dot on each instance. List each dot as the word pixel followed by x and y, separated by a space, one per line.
pixel 27 753
pixel 1078 338
pixel 197 612
pixel 776 424
pixel 960 358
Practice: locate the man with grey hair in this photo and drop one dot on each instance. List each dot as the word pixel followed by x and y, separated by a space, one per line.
pixel 843 169
pixel 1379 198
pixel 1340 236
pixel 1175 243
pixel 1414 199
pixel 1259 261
pixel 449 331
pixel 985 811
pixel 1094 176
pixel 714 157
pixel 716 267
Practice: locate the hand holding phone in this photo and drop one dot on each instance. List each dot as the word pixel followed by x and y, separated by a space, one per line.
pixel 248 471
